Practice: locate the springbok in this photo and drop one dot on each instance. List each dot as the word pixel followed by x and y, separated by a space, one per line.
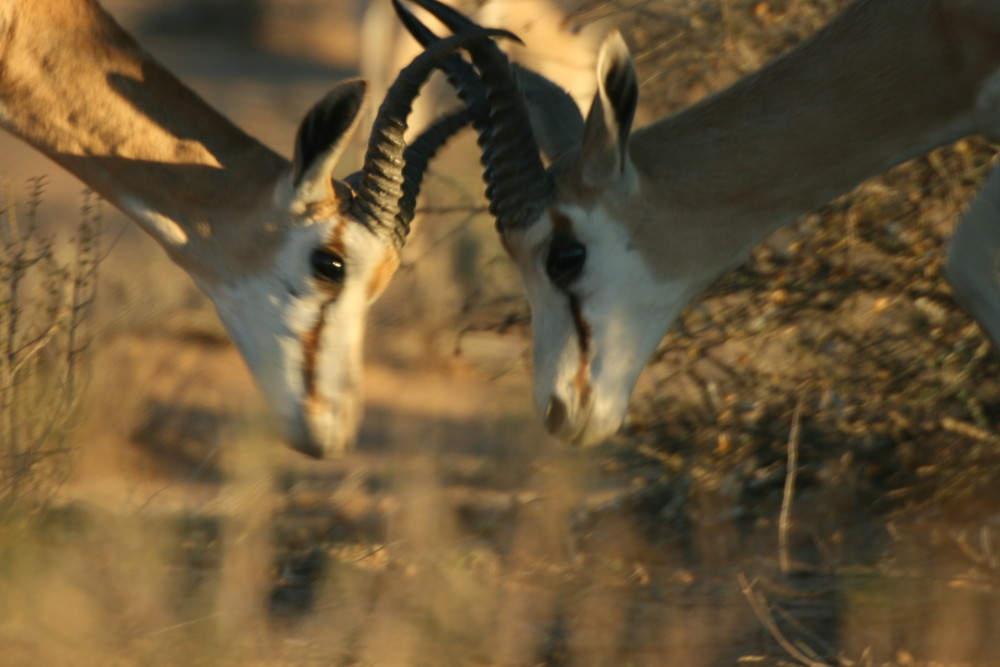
pixel 624 228
pixel 290 257
pixel 561 50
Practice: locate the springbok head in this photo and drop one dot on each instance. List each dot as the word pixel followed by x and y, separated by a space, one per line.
pixel 597 312
pixel 332 246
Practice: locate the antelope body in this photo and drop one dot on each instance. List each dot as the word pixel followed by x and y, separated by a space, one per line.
pixel 290 257
pixel 629 226
pixel 560 50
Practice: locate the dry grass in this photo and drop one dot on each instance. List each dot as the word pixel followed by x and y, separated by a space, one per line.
pixel 44 338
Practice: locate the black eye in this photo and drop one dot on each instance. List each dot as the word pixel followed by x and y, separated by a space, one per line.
pixel 565 261
pixel 327 265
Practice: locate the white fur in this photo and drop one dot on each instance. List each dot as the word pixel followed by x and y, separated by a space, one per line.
pixel 165 230
pixel 656 236
pixel 626 308
pixel 269 315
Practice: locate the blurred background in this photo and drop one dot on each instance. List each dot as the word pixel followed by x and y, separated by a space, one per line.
pixel 161 522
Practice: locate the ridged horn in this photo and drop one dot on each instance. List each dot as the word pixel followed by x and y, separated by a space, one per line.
pixel 555 117
pixel 517 184
pixel 380 183
pixel 418 155
pixel 461 75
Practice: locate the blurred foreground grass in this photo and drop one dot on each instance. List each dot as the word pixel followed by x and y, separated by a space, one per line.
pixel 44 336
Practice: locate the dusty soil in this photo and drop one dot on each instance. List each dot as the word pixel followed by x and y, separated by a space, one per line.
pixel 458 533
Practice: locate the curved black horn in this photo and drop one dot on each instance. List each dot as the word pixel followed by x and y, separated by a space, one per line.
pixel 461 75
pixel 517 184
pixel 380 183
pixel 417 156
pixel 555 116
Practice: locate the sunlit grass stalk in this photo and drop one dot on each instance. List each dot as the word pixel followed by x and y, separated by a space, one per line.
pixel 44 305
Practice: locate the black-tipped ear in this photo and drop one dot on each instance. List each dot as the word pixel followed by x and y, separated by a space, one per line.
pixel 322 138
pixel 606 131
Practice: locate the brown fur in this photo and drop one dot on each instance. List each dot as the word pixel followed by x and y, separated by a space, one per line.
pixel 78 88
pixel 386 270
pixel 885 81
pixel 880 84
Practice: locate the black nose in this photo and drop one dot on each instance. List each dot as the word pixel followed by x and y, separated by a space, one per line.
pixel 555 415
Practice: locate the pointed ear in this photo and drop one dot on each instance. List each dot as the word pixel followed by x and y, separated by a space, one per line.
pixel 322 138
pixel 605 133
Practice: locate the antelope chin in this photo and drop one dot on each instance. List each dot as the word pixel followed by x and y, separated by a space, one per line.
pixel 596 421
pixel 322 433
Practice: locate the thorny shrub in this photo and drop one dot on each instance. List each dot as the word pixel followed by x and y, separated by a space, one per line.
pixel 44 304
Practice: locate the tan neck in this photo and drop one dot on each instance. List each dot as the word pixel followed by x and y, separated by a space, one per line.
pixel 74 85
pixel 884 82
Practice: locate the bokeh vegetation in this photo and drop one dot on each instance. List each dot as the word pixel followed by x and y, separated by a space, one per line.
pixel 44 336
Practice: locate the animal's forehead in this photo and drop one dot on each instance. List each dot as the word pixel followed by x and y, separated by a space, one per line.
pixel 553 220
pixel 351 239
pixel 334 240
pixel 335 206
pixel 568 185
pixel 572 198
pixel 561 223
pixel 361 250
pixel 521 242
pixel 359 242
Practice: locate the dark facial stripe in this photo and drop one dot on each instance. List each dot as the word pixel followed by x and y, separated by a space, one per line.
pixel 310 350
pixel 580 324
pixel 311 340
pixel 582 379
pixel 563 226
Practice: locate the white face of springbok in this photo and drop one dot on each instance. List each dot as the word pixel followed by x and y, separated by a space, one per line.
pixel 299 318
pixel 597 310
pixel 597 315
pixel 300 327
pixel 290 257
pixel 623 230
pixel 598 306
pixel 602 290
pixel 297 314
